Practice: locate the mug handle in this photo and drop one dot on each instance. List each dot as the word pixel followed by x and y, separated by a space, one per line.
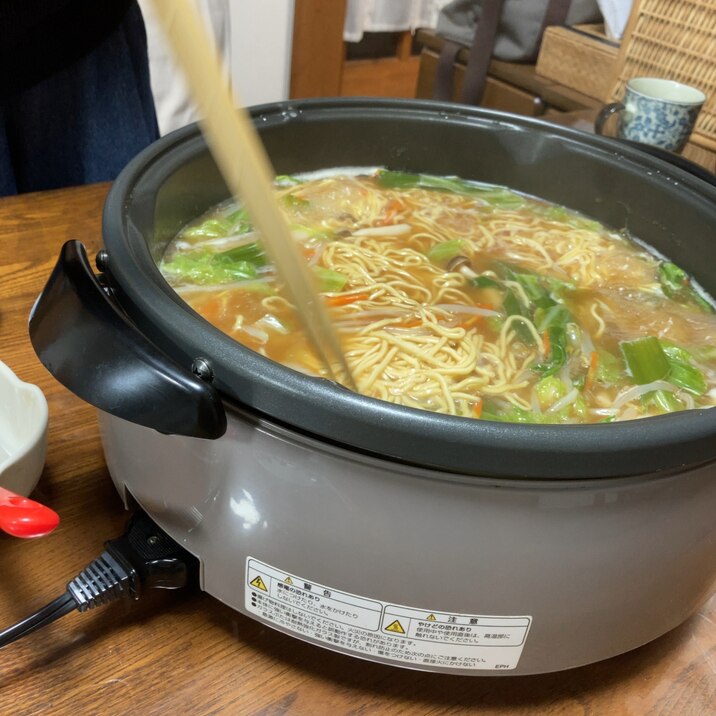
pixel 604 114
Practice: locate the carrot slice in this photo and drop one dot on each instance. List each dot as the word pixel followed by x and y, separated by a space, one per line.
pixel 344 299
pixel 470 322
pixel 477 408
pixel 545 342
pixel 592 370
pixel 392 209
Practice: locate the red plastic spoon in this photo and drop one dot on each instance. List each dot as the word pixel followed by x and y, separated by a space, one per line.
pixel 22 517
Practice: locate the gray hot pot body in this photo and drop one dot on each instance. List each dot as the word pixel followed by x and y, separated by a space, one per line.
pixel 398 535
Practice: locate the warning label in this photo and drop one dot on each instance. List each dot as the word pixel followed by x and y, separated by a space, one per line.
pixel 415 637
pixel 259 584
pixel 396 627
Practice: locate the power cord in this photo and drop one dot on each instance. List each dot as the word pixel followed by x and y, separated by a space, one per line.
pixel 144 557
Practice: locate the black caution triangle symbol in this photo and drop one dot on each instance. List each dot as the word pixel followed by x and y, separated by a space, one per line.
pixel 432 618
pixel 258 583
pixel 396 627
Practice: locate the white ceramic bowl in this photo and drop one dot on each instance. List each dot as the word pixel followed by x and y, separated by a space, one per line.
pixel 23 433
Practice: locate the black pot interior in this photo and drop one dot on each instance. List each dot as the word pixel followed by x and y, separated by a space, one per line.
pixel 176 179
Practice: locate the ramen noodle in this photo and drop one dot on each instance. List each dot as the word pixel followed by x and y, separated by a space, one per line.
pixel 462 298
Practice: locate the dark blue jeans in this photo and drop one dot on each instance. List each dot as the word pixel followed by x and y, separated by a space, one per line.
pixel 85 122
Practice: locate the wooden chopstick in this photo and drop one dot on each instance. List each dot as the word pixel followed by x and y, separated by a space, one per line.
pixel 246 168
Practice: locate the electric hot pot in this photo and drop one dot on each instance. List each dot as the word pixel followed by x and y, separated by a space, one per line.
pixel 397 535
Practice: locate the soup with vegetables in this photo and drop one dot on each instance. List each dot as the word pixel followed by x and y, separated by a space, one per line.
pixel 462 298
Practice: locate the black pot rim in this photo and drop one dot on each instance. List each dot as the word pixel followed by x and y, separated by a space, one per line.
pixel 327 411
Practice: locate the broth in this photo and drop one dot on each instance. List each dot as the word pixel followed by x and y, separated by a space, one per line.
pixel 462 298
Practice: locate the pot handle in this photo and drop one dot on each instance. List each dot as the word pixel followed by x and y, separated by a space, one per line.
pixel 85 340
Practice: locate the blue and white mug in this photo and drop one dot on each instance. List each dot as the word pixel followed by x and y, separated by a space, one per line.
pixel 655 111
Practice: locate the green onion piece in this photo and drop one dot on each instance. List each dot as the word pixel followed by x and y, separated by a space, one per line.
pixel 486 282
pixel 683 373
pixel 495 323
pixel 239 222
pixel 542 290
pixel 513 307
pixel 672 277
pixel 505 270
pixel 406 180
pixel 398 180
pixel 555 316
pixel 557 352
pixel 557 287
pixel 645 359
pixel 445 250
pixel 688 377
pixel 239 216
pixel 674 352
pixel 329 281
pixel 542 300
pixel 532 286
pixel 548 313
pixel 252 252
pixel 676 284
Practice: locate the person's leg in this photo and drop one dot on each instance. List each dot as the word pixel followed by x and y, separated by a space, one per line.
pixel 86 122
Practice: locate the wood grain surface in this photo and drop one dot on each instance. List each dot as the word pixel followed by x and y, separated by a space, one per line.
pixel 184 652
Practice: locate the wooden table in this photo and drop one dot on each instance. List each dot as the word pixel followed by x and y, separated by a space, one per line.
pixel 185 653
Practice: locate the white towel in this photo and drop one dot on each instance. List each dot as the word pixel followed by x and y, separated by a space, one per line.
pixel 389 16
pixel 616 14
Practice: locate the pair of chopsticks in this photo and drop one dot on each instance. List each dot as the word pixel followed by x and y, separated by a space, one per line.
pixel 247 171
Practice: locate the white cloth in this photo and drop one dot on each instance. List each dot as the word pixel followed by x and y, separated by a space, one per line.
pixel 616 14
pixel 389 16
pixel 171 96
